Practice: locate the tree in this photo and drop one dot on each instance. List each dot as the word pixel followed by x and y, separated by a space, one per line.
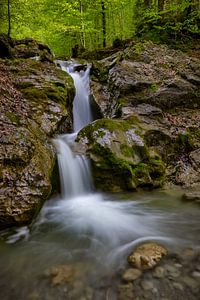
pixel 9 17
pixel 103 12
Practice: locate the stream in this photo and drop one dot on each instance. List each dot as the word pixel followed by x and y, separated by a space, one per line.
pixel 81 239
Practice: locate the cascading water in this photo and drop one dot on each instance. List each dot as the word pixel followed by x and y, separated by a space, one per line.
pixel 74 169
pixel 80 210
pixel 84 233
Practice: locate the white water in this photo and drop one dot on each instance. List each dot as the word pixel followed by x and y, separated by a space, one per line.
pixel 112 223
pixel 82 114
pixel 93 231
pixel 74 169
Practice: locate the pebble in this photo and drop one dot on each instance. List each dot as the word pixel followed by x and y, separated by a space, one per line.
pixel 170 268
pixel 89 293
pixel 178 286
pixel 196 275
pixel 178 265
pixel 159 272
pixel 147 285
pixel 198 267
pixel 192 283
pixel 175 274
pixel 78 285
pixel 189 252
pixel 131 274
pixel 125 292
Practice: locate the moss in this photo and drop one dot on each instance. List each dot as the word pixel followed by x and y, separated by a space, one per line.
pixel 25 84
pixel 33 93
pixel 153 87
pixel 138 48
pixel 194 136
pixel 126 150
pixel 14 118
pixel 183 143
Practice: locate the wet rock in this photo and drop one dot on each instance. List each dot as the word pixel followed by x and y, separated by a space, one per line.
pixel 178 286
pixel 36 100
pixel 147 285
pixel 120 158
pixel 190 282
pixel 191 197
pixel 125 292
pixel 65 274
pixel 131 274
pixel 196 275
pixel 159 272
pixel 147 255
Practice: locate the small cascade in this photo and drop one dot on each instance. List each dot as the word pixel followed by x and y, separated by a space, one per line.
pixel 74 169
pixel 82 114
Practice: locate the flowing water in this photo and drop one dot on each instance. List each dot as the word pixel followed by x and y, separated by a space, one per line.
pixel 86 234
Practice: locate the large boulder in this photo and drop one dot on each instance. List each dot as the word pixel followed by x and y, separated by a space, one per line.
pixel 161 87
pixel 146 73
pixel 120 157
pixel 36 102
pixel 24 48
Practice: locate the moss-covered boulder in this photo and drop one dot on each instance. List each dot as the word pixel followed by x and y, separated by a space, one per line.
pixel 24 48
pixel 119 155
pixel 36 102
pixel 161 87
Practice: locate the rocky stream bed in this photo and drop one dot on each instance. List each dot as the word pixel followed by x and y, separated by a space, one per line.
pixel 146 135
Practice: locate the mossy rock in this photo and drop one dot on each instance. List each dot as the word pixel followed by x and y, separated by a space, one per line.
pixel 120 158
pixel 35 105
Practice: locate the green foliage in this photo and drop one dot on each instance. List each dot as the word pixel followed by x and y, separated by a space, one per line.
pixel 178 20
pixel 63 24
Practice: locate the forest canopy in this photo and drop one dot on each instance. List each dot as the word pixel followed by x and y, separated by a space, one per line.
pixel 95 24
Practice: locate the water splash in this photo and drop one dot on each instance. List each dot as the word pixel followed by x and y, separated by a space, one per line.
pixel 74 169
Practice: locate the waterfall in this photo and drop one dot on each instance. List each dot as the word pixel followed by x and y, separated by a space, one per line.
pixel 103 221
pixel 81 107
pixel 74 169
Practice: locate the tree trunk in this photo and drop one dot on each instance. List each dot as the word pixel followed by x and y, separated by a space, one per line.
pixel 161 4
pixel 147 3
pixel 9 19
pixel 82 25
pixel 103 22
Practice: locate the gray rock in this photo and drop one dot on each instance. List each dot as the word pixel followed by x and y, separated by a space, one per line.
pixel 191 197
pixel 125 292
pixel 159 272
pixel 131 274
pixel 190 282
pixel 178 286
pixel 196 275
pixel 147 285
pixel 32 111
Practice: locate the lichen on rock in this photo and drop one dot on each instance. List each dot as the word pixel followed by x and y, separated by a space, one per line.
pixel 120 158
pixel 36 102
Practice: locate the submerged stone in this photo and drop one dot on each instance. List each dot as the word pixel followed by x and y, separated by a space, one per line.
pixel 147 255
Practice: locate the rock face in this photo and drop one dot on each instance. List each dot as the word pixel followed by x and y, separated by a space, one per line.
pixel 36 100
pixel 161 87
pixel 147 73
pixel 120 157
pixel 24 48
